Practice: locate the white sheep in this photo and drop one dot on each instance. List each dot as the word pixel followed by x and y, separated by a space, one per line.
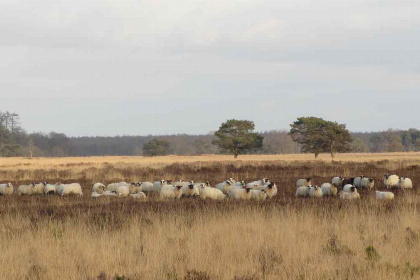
pixel 113 186
pixel 271 189
pixel 140 196
pixel 391 181
pixel 315 191
pixel 367 183
pixel 98 188
pixel 338 181
pixel 329 189
pixel 240 194
pixel 170 192
pixel 258 194
pixel 405 183
pixel 302 191
pixel 256 184
pixel 190 190
pixel 50 189
pixel 348 188
pixel 25 189
pixel 357 182
pixel 353 194
pixel 146 186
pixel 239 183
pixel 304 182
pixel 384 195
pixel 211 193
pixel 68 189
pixel 6 189
pixel 123 191
pixel 109 193
pixel 158 185
pixel 225 186
pixel 95 194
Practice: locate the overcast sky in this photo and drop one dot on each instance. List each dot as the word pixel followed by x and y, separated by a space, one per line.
pixel 136 67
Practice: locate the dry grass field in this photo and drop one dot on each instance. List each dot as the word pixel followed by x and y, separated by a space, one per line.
pixel 285 238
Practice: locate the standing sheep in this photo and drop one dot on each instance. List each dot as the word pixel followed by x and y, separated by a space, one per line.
pixel 98 188
pixel 315 192
pixel 329 189
pixel 146 186
pixel 348 181
pixel 258 194
pixel 170 192
pixel 225 186
pixel 338 181
pixel 357 182
pixel 271 189
pixel 348 188
pixel 353 194
pixel 391 181
pixel 304 182
pixel 158 185
pixel 211 193
pixel 190 190
pixel 25 189
pixel 240 194
pixel 259 183
pixel 49 189
pixel 384 195
pixel 303 191
pixel 6 189
pixel 405 183
pixel 368 183
pixel 68 189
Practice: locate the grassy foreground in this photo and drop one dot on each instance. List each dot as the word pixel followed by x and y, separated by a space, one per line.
pixel 285 238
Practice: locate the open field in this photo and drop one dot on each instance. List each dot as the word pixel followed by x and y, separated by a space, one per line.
pixel 284 238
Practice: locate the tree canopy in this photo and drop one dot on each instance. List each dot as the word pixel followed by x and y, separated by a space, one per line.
pixel 319 136
pixel 156 148
pixel 237 137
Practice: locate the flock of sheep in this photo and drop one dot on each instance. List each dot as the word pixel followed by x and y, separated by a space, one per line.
pixel 238 190
pixel 349 187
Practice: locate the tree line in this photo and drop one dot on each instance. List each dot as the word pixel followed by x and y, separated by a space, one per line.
pixel 311 135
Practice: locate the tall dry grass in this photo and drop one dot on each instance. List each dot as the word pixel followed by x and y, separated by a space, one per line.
pixel 284 238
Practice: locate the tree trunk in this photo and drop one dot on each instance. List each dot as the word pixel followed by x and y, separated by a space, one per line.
pixel 235 155
pixel 316 155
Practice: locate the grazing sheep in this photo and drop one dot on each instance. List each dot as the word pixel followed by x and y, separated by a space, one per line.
pixel 6 189
pixel 68 189
pixel 304 182
pixel 113 186
pixel 368 183
pixel 338 181
pixel 259 194
pixel 348 188
pixel 225 186
pixel 211 193
pixel 98 188
pixel 391 181
pixel 384 195
pixel 25 189
pixel 329 189
pixel 170 192
pixel 271 189
pixel 348 181
pixel 315 192
pixel 353 194
pixel 357 182
pixel 240 194
pixel 405 183
pixel 302 191
pixel 140 196
pixel 49 189
pixel 146 186
pixel 190 190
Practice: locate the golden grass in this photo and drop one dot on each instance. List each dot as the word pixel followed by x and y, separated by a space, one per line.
pixel 284 238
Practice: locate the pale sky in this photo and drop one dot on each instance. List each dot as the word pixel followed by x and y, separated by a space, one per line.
pixel 137 67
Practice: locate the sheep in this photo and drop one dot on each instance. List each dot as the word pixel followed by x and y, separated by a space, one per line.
pixel 211 193
pixel 259 183
pixel 225 186
pixel 67 189
pixel 190 190
pixel 348 188
pixel 6 189
pixel 38 188
pixel 123 191
pixel 140 195
pixel 302 191
pixel 113 186
pixel 109 193
pixel 405 183
pixel 348 181
pixel 240 194
pixel 158 185
pixel 95 194
pixel 134 188
pixel 353 194
pixel 315 192
pixel 329 189
pixel 25 189
pixel 391 181
pixel 98 188
pixel 304 182
pixel 49 189
pixel 384 195
pixel 146 186
pixel 338 181
pixel 170 192
pixel 271 189
pixel 259 194
pixel 239 183
pixel 357 182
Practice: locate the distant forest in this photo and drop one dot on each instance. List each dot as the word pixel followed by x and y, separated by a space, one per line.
pixel 15 141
